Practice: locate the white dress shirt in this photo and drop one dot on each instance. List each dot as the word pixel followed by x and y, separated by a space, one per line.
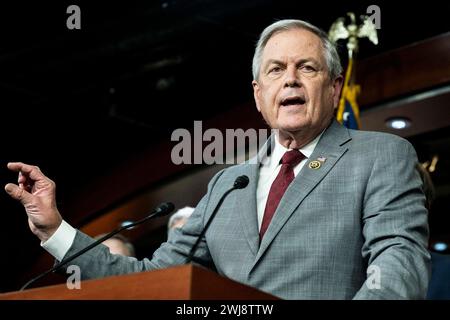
pixel 60 242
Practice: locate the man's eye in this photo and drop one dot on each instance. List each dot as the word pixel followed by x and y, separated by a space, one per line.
pixel 275 69
pixel 308 68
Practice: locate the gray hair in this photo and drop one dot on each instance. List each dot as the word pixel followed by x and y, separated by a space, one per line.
pixel 181 214
pixel 125 241
pixel 330 52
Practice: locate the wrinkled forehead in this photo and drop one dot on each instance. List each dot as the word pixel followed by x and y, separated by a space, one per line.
pixel 294 43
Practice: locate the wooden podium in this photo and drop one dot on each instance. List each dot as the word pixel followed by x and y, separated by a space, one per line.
pixel 186 282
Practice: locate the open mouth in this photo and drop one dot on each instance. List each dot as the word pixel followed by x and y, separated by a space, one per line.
pixel 293 101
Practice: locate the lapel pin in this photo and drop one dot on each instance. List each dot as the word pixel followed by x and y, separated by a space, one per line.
pixel 322 159
pixel 314 164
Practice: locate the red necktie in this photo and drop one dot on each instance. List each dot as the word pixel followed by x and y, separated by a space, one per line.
pixel 280 184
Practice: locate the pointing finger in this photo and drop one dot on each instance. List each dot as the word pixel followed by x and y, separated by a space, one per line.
pixel 32 171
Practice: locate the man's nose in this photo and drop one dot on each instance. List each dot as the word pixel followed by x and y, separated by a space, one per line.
pixel 292 78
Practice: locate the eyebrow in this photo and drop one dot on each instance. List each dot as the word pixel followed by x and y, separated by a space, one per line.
pixel 279 62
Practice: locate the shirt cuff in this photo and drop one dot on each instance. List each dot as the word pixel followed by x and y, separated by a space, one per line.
pixel 60 242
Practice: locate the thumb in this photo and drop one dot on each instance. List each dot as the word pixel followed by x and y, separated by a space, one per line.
pixel 17 193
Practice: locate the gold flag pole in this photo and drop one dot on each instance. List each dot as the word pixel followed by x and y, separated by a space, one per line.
pixel 348 110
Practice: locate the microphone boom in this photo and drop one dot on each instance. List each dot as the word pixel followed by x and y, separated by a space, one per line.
pixel 163 209
pixel 240 183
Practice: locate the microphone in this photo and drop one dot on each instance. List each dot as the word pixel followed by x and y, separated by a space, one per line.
pixel 240 183
pixel 163 209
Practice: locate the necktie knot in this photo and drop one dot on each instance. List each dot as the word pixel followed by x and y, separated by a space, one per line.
pixel 292 158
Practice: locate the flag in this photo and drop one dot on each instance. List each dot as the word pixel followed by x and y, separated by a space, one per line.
pixel 348 110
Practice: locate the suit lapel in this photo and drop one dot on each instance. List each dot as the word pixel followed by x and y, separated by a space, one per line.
pixel 246 203
pixel 330 146
pixel 246 208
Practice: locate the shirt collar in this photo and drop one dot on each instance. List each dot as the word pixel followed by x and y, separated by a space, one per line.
pixel 279 150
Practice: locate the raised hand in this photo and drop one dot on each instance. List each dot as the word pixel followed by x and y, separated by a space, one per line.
pixel 36 192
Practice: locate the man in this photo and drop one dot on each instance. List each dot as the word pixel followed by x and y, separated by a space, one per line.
pixel 439 286
pixel 179 218
pixel 325 206
pixel 118 244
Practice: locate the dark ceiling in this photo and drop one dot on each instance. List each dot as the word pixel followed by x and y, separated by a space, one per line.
pixel 137 70
pixel 79 102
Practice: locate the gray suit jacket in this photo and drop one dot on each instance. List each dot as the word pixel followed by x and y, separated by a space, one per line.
pixel 354 228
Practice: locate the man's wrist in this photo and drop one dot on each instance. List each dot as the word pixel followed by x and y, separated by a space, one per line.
pixel 60 241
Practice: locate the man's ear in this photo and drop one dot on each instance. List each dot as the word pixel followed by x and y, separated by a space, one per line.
pixel 336 90
pixel 256 94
